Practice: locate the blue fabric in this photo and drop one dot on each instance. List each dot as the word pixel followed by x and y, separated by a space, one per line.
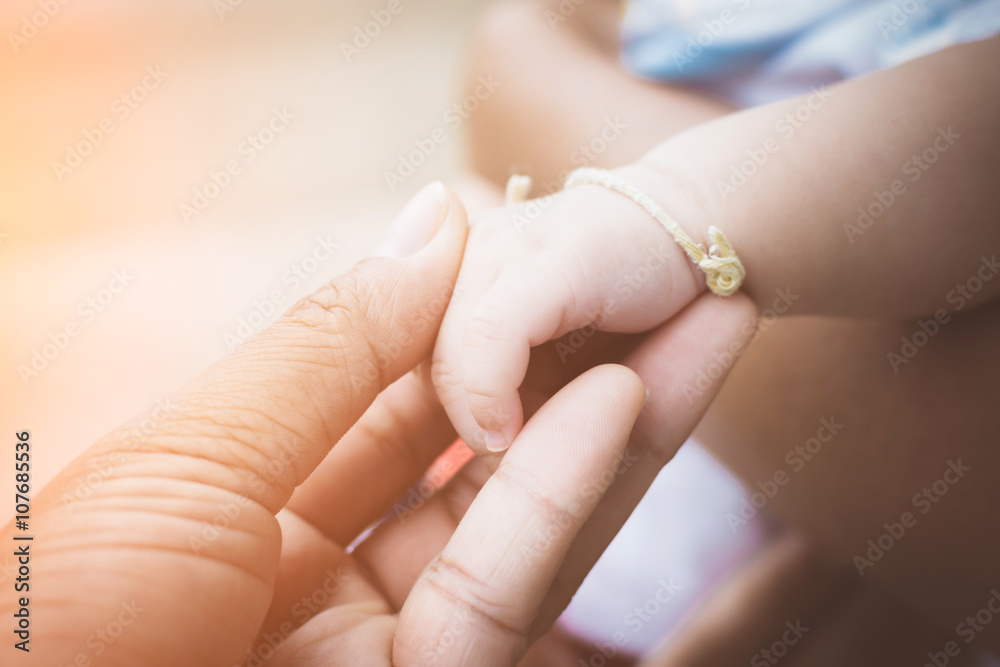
pixel 756 51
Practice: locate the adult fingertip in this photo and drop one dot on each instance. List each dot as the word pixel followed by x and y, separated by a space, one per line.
pixel 452 229
pixel 417 223
pixel 638 392
pixel 631 387
pixel 635 394
pixel 620 387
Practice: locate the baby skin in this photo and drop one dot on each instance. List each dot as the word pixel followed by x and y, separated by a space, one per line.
pixel 901 424
pixel 590 257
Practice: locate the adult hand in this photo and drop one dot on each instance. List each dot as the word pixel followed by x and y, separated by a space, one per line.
pixel 181 552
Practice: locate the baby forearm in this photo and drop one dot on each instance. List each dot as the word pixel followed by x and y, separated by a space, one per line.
pixel 874 197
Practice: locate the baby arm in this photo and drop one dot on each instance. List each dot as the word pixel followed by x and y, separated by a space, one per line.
pixel 873 198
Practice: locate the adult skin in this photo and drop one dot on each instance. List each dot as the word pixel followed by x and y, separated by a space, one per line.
pixel 192 549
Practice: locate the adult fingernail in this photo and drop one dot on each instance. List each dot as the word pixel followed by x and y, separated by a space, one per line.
pixel 416 223
pixel 495 441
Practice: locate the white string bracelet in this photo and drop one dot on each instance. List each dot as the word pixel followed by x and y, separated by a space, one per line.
pixel 518 188
pixel 723 269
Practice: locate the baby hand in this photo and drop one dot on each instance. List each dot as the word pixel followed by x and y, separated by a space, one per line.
pixel 533 272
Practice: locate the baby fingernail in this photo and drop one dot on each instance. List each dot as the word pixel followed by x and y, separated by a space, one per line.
pixel 646 400
pixel 416 223
pixel 495 442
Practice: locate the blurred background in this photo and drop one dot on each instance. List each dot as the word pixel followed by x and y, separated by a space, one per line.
pixel 175 173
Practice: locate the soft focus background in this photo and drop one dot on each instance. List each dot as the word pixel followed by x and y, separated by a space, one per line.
pixel 192 286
